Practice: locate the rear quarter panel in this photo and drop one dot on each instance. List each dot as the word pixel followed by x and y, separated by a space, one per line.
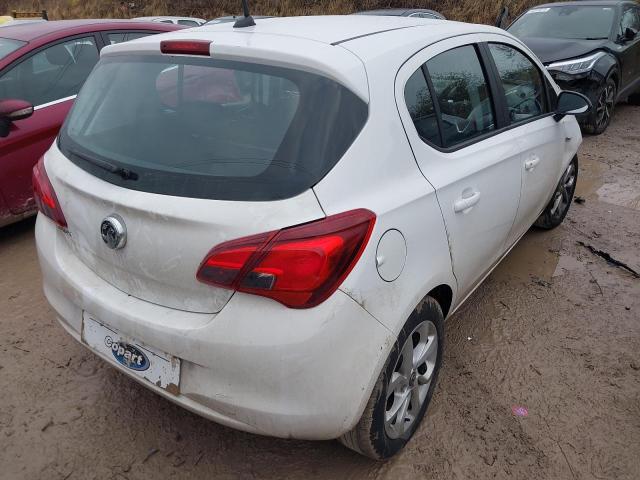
pixel 28 140
pixel 380 173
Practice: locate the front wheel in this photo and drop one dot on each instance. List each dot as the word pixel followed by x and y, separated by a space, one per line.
pixel 558 207
pixel 404 388
pixel 600 116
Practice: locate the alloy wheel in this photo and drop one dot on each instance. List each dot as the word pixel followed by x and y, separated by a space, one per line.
pixel 564 193
pixel 605 105
pixel 409 383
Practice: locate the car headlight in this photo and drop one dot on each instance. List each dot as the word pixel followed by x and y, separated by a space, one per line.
pixel 577 65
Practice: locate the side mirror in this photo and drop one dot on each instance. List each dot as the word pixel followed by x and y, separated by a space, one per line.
pixel 12 110
pixel 629 34
pixel 571 103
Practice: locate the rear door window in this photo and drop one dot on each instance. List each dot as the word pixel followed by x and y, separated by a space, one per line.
pixel 209 128
pixel 522 82
pixel 53 73
pixel 8 45
pixel 420 105
pixel 462 94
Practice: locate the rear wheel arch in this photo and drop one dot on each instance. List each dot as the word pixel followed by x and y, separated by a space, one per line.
pixel 443 294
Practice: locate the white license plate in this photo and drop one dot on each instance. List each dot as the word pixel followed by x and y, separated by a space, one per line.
pixel 159 368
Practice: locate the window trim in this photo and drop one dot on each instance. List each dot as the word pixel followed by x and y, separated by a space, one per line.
pixel 436 105
pixel 96 38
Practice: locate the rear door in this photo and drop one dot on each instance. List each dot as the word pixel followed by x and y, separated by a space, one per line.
pixel 454 125
pixel 49 78
pixel 522 85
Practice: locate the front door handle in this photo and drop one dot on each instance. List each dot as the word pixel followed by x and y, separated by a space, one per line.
pixel 468 200
pixel 531 163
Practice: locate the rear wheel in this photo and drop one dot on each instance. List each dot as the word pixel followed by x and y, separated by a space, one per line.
pixel 404 388
pixel 600 116
pixel 557 209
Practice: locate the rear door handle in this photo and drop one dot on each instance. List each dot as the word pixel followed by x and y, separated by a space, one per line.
pixel 531 163
pixel 468 200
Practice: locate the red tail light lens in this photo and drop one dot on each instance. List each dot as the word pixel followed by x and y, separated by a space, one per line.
pixel 45 196
pixel 186 47
pixel 299 267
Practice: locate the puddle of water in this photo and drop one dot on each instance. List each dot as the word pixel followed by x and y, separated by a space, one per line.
pixel 589 177
pixel 529 258
pixel 627 195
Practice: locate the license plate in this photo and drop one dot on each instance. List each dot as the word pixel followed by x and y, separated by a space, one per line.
pixel 159 368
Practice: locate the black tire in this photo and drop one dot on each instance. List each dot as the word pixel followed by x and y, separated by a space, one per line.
pixel 369 437
pixel 600 116
pixel 634 99
pixel 552 217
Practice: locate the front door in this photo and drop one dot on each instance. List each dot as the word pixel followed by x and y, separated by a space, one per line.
pixel 630 50
pixel 49 79
pixel 449 112
pixel 542 139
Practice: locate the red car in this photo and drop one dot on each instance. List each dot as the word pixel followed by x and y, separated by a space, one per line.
pixel 42 67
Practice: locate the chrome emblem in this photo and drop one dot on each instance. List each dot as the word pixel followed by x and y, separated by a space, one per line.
pixel 113 232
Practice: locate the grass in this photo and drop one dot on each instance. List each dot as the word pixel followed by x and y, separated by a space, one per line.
pixel 476 11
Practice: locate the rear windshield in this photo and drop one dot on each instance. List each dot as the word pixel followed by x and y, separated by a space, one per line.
pixel 8 45
pixel 206 128
pixel 578 22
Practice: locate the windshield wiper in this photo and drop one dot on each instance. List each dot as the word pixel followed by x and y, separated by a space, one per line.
pixel 125 173
pixel 596 38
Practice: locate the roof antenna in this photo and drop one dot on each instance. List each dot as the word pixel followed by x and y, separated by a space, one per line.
pixel 247 20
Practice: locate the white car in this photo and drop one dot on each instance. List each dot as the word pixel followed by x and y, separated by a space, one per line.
pixel 187 21
pixel 269 225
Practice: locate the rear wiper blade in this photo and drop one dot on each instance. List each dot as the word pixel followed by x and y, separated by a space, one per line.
pixel 125 173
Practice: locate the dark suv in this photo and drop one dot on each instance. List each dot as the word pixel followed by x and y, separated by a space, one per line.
pixel 592 47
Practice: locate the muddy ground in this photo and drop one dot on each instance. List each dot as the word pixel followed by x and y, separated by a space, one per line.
pixel 555 329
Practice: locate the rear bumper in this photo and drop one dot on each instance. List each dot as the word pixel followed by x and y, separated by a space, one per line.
pixel 255 366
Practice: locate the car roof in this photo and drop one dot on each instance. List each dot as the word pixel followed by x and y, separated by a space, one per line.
pixel 30 31
pixel 334 46
pixel 333 29
pixel 169 17
pixel 593 3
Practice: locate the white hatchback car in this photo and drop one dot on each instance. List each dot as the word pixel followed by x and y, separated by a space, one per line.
pixel 268 225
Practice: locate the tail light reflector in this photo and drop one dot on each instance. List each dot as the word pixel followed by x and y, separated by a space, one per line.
pixel 45 196
pixel 186 47
pixel 299 267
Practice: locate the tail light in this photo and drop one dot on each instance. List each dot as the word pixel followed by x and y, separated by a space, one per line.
pixel 299 267
pixel 45 196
